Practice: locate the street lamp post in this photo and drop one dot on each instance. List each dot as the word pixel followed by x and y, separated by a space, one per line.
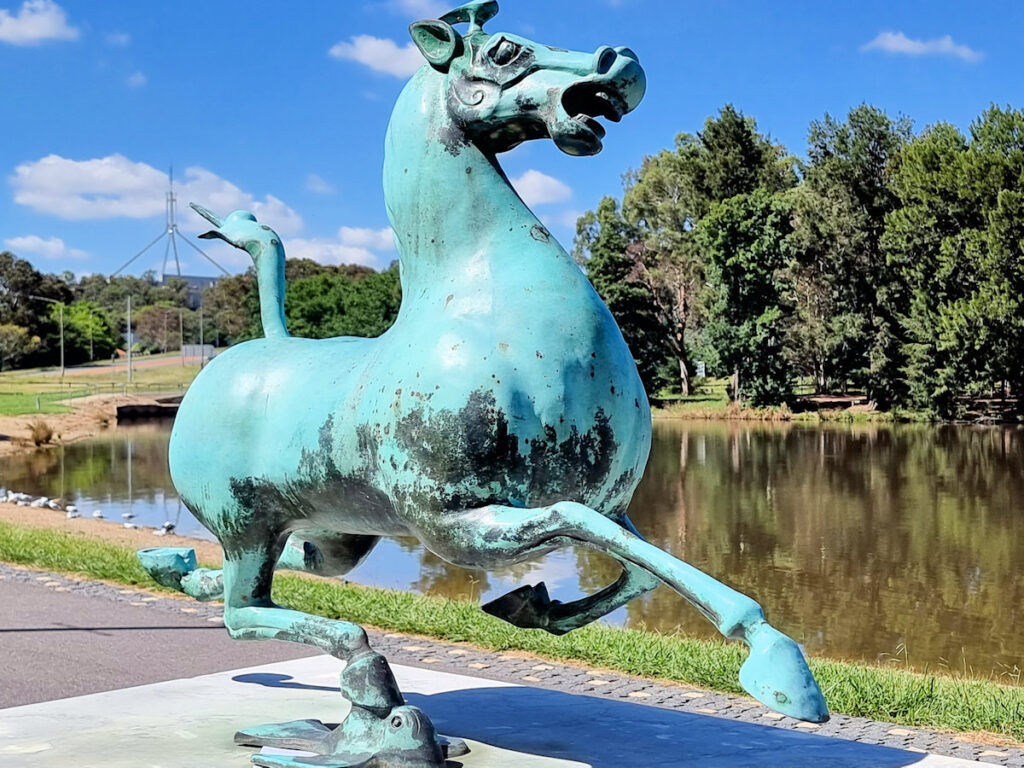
pixel 129 338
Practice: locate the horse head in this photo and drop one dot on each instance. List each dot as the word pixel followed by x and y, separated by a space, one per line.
pixel 502 89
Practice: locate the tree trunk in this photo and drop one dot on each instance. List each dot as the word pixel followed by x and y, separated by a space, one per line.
pixel 736 385
pixel 684 378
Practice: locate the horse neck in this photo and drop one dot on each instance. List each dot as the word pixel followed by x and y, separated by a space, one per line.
pixel 452 208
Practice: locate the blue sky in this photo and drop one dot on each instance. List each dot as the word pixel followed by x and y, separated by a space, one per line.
pixel 281 107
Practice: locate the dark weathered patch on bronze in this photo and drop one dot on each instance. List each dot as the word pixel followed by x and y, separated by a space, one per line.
pixel 473 457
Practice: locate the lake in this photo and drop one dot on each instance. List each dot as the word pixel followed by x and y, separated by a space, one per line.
pixel 900 542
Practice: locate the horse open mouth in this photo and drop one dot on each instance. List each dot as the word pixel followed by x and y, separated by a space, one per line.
pixel 586 101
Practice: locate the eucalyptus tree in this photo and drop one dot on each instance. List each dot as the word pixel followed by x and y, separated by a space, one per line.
pixel 666 198
pixel 610 250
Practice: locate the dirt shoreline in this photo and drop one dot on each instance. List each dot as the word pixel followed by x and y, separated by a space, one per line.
pixel 89 416
pixel 138 538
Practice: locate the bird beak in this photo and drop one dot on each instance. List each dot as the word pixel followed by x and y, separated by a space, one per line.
pixel 207 214
pixel 211 217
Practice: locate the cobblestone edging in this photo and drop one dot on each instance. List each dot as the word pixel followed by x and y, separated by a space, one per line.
pixel 525 670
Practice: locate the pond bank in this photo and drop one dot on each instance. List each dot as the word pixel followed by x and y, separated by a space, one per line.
pixel 86 528
pixel 87 417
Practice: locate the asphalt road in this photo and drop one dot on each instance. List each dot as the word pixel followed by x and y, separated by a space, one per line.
pixel 56 644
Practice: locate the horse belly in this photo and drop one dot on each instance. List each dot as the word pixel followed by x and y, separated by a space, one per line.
pixel 507 443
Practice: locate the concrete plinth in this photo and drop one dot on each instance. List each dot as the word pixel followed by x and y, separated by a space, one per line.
pixel 190 723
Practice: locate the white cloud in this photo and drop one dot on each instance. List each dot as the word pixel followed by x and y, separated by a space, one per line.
pixel 421 9
pixel 362 237
pixel 538 188
pixel 897 42
pixel 220 195
pixel 319 185
pixel 353 245
pixel 35 22
pixel 135 80
pixel 50 248
pixel 115 187
pixel 118 39
pixel 380 54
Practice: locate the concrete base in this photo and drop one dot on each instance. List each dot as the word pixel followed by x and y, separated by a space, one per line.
pixel 190 723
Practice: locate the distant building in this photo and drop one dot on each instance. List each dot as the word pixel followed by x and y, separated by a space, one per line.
pixel 196 285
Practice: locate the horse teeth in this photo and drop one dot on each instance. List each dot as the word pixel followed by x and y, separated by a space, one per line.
pixel 591 123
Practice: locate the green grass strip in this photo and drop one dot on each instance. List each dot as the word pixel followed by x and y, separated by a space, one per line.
pixel 881 693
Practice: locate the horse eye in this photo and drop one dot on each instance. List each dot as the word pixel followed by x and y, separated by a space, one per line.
pixel 505 52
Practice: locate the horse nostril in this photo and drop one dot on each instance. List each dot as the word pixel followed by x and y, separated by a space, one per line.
pixel 629 53
pixel 605 59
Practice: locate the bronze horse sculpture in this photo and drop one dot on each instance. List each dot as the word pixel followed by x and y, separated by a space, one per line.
pixel 500 418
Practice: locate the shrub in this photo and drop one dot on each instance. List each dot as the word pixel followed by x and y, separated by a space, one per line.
pixel 41 432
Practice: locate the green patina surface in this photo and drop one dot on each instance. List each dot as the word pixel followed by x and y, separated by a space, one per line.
pixel 499 418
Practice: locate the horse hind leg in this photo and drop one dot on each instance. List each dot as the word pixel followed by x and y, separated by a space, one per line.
pixel 775 672
pixel 379 723
pixel 325 553
pixel 530 607
pixel 322 553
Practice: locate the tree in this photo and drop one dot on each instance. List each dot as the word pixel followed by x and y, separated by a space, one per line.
pixel 670 194
pixel 15 342
pixel 956 242
pixel 21 288
pixel 158 327
pixel 88 334
pixel 231 306
pixel 747 243
pixel 608 247
pixel 334 304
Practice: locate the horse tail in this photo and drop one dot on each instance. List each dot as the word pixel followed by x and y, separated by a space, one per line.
pixel 175 567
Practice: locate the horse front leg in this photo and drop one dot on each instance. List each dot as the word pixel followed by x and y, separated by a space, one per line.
pixel 775 673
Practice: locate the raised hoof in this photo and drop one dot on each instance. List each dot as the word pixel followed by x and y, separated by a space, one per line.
pixel 168 565
pixel 526 607
pixel 776 674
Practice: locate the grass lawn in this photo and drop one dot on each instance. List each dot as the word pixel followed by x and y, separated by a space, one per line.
pixel 21 390
pixel 884 693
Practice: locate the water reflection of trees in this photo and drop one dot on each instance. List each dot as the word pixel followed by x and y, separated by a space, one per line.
pixel 855 539
pixel 96 468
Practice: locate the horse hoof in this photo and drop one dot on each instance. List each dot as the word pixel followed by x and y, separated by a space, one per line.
pixel 168 565
pixel 526 607
pixel 367 682
pixel 776 674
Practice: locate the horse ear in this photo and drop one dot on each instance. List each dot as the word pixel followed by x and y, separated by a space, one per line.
pixel 438 42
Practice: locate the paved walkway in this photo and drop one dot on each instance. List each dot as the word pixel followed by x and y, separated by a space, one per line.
pixel 469 661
